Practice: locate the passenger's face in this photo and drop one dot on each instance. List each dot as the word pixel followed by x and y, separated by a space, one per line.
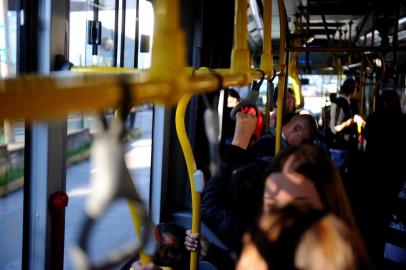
pixel 250 257
pixel 232 102
pixel 286 187
pixel 290 103
pixel 298 135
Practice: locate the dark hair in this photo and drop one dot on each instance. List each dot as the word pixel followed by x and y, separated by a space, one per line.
pixel 333 97
pixel 234 93
pixel 172 254
pixel 348 86
pixel 289 92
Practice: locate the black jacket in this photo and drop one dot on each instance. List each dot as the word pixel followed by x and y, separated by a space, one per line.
pixel 233 198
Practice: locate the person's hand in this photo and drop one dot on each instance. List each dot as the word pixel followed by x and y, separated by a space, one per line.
pixel 272 118
pixel 244 128
pixel 358 119
pixel 192 242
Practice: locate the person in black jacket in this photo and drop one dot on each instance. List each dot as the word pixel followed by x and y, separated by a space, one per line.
pixel 232 198
pixel 385 148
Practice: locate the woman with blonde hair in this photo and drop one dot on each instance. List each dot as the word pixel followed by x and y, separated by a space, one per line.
pixel 305 172
pixel 302 173
pixel 299 236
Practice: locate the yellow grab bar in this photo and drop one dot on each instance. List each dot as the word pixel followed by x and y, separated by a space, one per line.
pixel 296 85
pixel 240 54
pixel 52 96
pixel 144 258
pixel 95 69
pixel 266 57
pixel 168 62
pixel 191 168
pixel 136 217
pixel 281 80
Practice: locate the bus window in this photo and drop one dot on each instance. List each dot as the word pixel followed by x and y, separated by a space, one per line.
pixel 115 227
pixel 11 149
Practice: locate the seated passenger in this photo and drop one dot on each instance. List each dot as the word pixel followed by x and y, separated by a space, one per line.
pixel 300 129
pixel 290 108
pixel 299 236
pixel 311 169
pixel 300 173
pixel 231 199
pixel 171 251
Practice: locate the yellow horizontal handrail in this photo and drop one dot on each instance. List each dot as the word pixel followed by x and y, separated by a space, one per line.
pixel 256 74
pixel 95 69
pixel 53 96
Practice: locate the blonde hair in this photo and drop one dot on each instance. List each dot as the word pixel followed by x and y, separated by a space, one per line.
pixel 298 236
pixel 328 244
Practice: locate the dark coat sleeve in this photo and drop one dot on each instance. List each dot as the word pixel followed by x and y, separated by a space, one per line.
pixel 264 147
pixel 238 180
pixel 216 200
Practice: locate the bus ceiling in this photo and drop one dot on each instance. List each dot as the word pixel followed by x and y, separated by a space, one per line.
pixel 333 24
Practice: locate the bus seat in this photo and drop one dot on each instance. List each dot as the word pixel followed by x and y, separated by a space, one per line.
pixel 205 265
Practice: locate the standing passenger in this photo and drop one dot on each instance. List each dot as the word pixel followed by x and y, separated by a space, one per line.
pixel 343 137
pixel 385 149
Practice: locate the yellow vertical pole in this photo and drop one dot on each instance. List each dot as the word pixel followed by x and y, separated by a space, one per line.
pixel 266 57
pixel 292 68
pixel 136 218
pixel 191 168
pixel 240 55
pixel 168 61
pixel 281 80
pixel 362 86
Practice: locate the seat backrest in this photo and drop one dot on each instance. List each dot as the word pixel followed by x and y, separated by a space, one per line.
pixel 205 265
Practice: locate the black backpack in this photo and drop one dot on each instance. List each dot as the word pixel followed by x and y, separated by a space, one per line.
pixel 326 112
pixel 325 120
